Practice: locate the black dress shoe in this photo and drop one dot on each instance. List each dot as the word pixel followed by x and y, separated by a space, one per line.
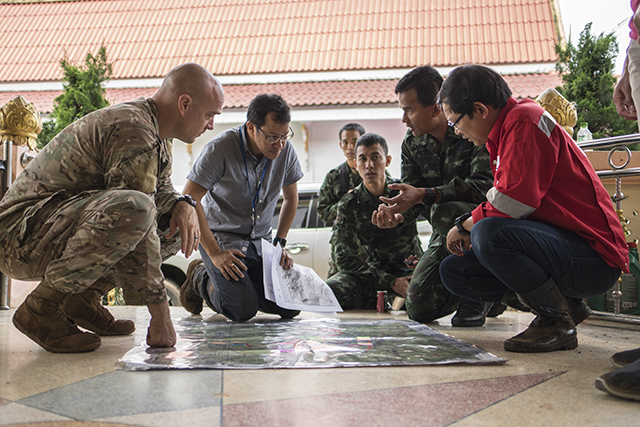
pixel 471 313
pixel 496 309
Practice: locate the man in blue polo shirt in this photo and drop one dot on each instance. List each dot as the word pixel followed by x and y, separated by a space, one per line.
pixel 236 182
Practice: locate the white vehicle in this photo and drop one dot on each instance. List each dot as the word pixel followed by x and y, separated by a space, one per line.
pixel 307 241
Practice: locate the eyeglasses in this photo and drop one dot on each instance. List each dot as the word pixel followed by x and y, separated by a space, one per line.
pixel 274 139
pixel 453 124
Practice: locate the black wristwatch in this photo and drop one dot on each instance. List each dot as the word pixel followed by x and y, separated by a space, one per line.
pixel 458 223
pixel 187 198
pixel 283 242
pixel 429 197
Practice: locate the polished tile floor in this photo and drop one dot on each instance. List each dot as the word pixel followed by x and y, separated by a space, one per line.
pixel 556 389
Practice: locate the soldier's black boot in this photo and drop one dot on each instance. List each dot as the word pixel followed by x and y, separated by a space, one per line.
pixel 471 313
pixel 41 318
pixel 552 329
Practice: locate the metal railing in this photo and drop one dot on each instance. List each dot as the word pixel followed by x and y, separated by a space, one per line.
pixel 619 171
pixel 4 185
pixel 612 142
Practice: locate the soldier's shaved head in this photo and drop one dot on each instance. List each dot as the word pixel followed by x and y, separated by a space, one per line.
pixel 187 101
pixel 191 79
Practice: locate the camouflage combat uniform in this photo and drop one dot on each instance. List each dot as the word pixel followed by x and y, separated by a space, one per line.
pixel 336 184
pixel 461 173
pixel 357 281
pixel 97 199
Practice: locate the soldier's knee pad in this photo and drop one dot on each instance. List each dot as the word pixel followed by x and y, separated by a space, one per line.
pixel 134 206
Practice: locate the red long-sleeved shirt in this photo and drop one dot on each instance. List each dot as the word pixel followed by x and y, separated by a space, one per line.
pixel 540 174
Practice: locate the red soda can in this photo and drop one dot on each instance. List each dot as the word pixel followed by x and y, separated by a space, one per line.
pixel 382 305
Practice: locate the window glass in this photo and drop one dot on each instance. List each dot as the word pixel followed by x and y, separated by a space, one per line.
pixel 300 219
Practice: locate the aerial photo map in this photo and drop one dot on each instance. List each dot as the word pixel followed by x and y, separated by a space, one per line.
pixel 325 342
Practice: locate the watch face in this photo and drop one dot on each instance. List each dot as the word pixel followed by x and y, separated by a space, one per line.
pixel 428 197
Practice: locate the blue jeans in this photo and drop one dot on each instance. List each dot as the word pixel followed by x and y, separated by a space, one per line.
pixel 522 255
pixel 241 300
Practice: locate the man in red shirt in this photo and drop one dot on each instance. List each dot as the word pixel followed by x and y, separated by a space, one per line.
pixel 548 232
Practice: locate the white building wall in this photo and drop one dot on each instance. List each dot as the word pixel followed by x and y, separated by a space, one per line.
pixel 323 151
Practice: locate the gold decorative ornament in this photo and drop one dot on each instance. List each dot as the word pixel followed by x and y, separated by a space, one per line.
pixel 20 122
pixel 563 111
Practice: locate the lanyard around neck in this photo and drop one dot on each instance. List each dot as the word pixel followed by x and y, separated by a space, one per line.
pixel 246 171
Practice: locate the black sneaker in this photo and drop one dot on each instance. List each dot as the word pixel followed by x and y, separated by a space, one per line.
pixel 625 358
pixel 623 382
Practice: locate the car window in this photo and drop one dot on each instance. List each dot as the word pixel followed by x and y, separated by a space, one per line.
pixel 306 214
pixel 299 221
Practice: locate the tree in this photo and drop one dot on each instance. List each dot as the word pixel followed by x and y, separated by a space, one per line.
pixel 82 94
pixel 588 81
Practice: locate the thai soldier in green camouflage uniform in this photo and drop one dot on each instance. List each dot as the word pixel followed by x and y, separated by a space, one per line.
pixel 339 181
pixel 443 175
pixel 98 203
pixel 343 178
pixel 357 281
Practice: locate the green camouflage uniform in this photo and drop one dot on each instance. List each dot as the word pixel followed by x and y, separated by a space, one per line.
pixel 97 199
pixel 336 184
pixel 357 281
pixel 461 173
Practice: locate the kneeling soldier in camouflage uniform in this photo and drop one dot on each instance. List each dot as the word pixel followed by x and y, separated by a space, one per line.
pixel 357 281
pixel 338 181
pixel 447 176
pixel 97 206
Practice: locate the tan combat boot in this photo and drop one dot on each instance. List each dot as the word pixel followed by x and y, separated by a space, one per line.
pixel 41 318
pixel 86 309
pixel 189 298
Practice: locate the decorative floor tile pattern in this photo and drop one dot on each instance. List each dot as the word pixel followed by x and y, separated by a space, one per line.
pixel 122 393
pixel 70 424
pixel 202 417
pixel 16 413
pixel 420 406
pixel 41 389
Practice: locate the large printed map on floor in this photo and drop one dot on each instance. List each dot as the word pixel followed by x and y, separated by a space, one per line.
pixel 305 343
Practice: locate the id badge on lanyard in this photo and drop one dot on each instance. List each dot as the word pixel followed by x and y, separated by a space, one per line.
pixel 246 171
